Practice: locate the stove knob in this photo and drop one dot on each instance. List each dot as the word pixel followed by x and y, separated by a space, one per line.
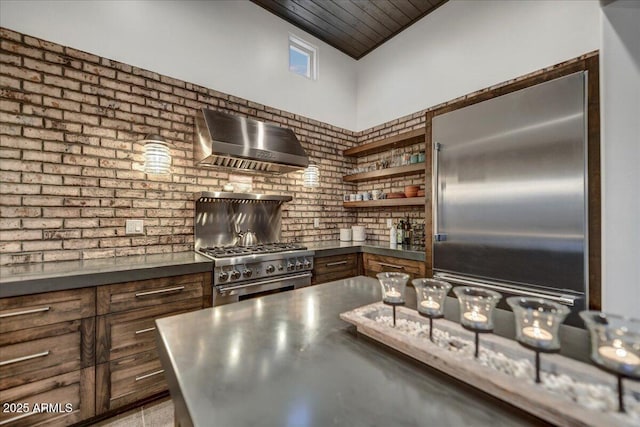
pixel 298 265
pixel 290 266
pixel 223 275
pixel 307 263
pixel 247 273
pixel 270 269
pixel 280 267
pixel 235 275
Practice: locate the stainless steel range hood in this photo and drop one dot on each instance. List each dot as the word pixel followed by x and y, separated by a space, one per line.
pixel 233 142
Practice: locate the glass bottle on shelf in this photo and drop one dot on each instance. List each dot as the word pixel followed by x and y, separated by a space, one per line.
pixel 407 232
pixel 400 236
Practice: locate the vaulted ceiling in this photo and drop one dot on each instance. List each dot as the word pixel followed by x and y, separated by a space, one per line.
pixel 355 27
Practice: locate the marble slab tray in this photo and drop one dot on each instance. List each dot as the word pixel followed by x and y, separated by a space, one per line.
pixel 523 393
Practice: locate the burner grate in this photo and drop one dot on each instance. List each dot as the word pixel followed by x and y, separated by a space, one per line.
pixel 229 251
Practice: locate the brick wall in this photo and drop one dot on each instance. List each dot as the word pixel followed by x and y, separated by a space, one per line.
pixel 70 123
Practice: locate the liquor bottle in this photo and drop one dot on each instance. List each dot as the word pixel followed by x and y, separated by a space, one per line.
pixel 400 234
pixel 407 232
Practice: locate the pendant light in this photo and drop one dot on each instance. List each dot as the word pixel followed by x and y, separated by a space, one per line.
pixel 311 176
pixel 157 158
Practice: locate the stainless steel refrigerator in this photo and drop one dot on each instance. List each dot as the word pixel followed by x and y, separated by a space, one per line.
pixel 509 193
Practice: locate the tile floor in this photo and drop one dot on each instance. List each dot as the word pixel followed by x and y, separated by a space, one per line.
pixel 157 414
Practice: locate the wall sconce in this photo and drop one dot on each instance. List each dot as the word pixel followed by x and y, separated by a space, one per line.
pixel 311 176
pixel 157 159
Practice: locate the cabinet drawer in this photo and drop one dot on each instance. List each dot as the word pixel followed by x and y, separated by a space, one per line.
pixel 33 354
pixel 56 401
pixel 374 264
pixel 128 379
pixel 30 311
pixel 332 264
pixel 129 332
pixel 146 293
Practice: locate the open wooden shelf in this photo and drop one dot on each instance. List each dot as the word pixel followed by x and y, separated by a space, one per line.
pixel 403 201
pixel 396 141
pixel 411 169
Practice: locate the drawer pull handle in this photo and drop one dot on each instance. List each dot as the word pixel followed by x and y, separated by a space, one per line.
pixel 19 417
pixel 384 264
pixel 142 331
pixel 23 358
pixel 330 264
pixel 20 313
pixel 141 377
pixel 160 291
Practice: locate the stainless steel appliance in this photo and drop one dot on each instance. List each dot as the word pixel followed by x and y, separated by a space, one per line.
pixel 241 272
pixel 510 211
pixel 226 141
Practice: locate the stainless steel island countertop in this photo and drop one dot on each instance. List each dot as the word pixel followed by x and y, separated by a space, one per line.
pixel 288 360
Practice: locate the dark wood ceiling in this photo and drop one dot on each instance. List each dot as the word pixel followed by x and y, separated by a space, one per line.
pixel 355 27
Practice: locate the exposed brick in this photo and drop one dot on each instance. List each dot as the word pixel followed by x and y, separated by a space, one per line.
pixel 21 49
pixel 62 82
pixel 9 82
pixel 21 73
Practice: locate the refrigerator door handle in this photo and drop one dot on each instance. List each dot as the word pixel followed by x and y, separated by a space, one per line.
pixel 437 237
pixel 561 298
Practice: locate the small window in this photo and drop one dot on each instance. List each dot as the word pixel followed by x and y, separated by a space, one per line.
pixel 303 58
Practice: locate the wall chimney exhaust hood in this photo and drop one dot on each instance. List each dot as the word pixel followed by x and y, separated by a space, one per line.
pixel 232 142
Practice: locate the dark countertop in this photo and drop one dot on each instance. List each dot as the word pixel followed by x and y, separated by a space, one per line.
pixel 288 360
pixel 336 247
pixel 53 276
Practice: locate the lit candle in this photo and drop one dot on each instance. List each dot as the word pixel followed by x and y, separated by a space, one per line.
pixel 474 316
pixel 537 333
pixel 393 294
pixel 619 355
pixel 430 304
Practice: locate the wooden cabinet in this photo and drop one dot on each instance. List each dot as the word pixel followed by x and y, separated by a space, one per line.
pixel 86 351
pixel 374 264
pixel 128 368
pixel 329 268
pixel 47 358
pixel 60 400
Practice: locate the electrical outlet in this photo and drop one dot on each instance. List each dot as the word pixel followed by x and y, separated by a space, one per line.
pixel 316 222
pixel 134 226
pixel 389 223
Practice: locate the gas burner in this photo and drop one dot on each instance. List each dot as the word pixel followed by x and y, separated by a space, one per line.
pixel 231 251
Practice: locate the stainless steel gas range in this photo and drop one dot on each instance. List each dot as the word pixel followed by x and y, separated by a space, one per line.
pixel 242 272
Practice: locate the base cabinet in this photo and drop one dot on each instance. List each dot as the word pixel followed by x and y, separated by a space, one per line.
pixel 47 358
pixel 374 264
pixel 67 356
pixel 330 268
pixel 127 365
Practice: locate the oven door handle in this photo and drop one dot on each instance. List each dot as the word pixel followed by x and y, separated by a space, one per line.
pixel 265 282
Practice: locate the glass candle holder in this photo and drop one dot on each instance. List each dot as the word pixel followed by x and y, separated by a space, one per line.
pixel 537 322
pixel 476 310
pixel 430 295
pixel 537 325
pixel 615 346
pixel 476 307
pixel 393 287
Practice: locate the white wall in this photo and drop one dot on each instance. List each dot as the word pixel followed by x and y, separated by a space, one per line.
pixel 465 46
pixel 621 157
pixel 235 47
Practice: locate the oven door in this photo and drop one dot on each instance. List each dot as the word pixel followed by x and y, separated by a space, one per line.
pixel 236 292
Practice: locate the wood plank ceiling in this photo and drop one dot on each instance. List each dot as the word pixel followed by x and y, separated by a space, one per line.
pixel 355 27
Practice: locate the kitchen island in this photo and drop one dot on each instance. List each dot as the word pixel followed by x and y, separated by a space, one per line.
pixel 288 360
